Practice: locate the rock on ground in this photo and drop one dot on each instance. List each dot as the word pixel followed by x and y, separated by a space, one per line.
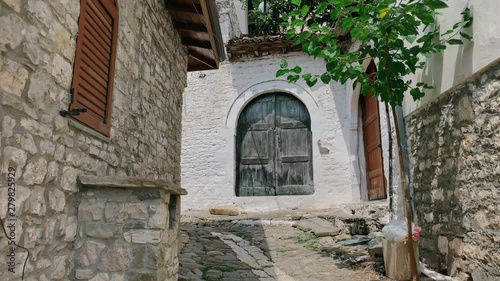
pixel 226 210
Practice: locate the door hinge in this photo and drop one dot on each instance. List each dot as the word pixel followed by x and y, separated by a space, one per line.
pixel 72 112
pixel 71 95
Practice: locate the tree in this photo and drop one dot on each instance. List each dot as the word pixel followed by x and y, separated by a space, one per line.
pixel 396 34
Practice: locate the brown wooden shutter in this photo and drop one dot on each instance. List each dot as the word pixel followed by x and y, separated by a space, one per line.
pixel 94 68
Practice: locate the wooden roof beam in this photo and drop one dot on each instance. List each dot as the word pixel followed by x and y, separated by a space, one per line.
pixel 207 11
pixel 183 7
pixel 196 43
pixel 191 27
pixel 202 59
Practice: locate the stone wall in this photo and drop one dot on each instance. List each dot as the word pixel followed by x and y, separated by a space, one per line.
pixel 455 144
pixel 127 233
pixel 37 46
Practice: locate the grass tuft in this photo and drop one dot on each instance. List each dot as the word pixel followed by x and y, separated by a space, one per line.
pixel 309 240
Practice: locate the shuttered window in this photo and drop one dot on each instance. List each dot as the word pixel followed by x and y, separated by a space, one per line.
pixel 95 63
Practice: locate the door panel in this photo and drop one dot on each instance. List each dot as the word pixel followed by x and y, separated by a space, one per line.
pixel 373 148
pixel 294 150
pixel 274 154
pixel 255 149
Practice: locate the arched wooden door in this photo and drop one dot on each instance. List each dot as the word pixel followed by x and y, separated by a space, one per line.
pixel 273 147
pixel 373 144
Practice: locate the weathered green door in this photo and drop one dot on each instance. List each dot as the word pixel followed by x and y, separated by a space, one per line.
pixel 274 152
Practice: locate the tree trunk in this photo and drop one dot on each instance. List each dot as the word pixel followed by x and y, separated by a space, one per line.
pixel 411 251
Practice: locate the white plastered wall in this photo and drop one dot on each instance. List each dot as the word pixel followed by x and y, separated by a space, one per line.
pixel 212 104
pixel 213 101
pixel 458 62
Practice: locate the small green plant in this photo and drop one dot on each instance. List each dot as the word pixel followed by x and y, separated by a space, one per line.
pixel 281 250
pixel 222 268
pixel 235 231
pixel 309 240
pixel 204 271
pixel 339 252
pixel 225 268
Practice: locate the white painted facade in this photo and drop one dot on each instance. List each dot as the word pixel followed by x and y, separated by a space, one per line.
pixel 212 104
pixel 459 62
pixel 213 101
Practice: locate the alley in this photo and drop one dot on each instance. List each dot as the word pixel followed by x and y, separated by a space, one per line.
pixel 269 247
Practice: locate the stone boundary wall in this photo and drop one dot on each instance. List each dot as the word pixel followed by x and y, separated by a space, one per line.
pixel 454 149
pixel 127 233
pixel 37 48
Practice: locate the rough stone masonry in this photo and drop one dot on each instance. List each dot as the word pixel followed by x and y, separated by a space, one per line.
pixel 455 144
pixel 48 152
pixel 128 228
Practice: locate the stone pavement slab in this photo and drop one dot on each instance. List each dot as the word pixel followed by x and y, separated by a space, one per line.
pixel 318 226
pixel 266 249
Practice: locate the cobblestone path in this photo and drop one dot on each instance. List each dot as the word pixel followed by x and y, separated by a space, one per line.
pixel 265 251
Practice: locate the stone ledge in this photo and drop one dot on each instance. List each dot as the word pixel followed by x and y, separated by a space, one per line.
pixel 128 182
pixel 88 130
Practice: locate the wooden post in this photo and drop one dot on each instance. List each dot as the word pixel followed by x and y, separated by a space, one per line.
pixel 411 251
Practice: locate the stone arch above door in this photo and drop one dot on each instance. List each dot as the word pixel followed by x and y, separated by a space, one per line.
pixel 274 147
pixel 271 86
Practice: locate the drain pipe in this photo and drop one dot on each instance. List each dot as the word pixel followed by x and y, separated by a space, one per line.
pixel 405 157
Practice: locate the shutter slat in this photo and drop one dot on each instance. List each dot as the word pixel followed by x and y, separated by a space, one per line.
pixel 104 27
pixel 95 51
pixel 96 42
pixel 100 11
pixel 89 112
pixel 85 102
pixel 92 60
pixel 90 88
pixel 88 62
pixel 94 80
pixel 100 36
pixel 89 95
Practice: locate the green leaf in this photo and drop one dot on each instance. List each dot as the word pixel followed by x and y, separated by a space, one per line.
pixel 314 27
pixel 326 78
pixel 455 42
pixel 411 38
pixel 321 8
pixel 297 22
pixel 297 69
pixel 282 72
pixel 416 93
pixel 435 4
pixel 347 22
pixel 304 35
pixel 292 78
pixel 330 66
pixel 425 17
pixel 459 25
pixel 290 34
pixel 466 36
pixel 447 32
pixel 304 11
pixel 312 81
pixel 283 63
pixel 296 2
